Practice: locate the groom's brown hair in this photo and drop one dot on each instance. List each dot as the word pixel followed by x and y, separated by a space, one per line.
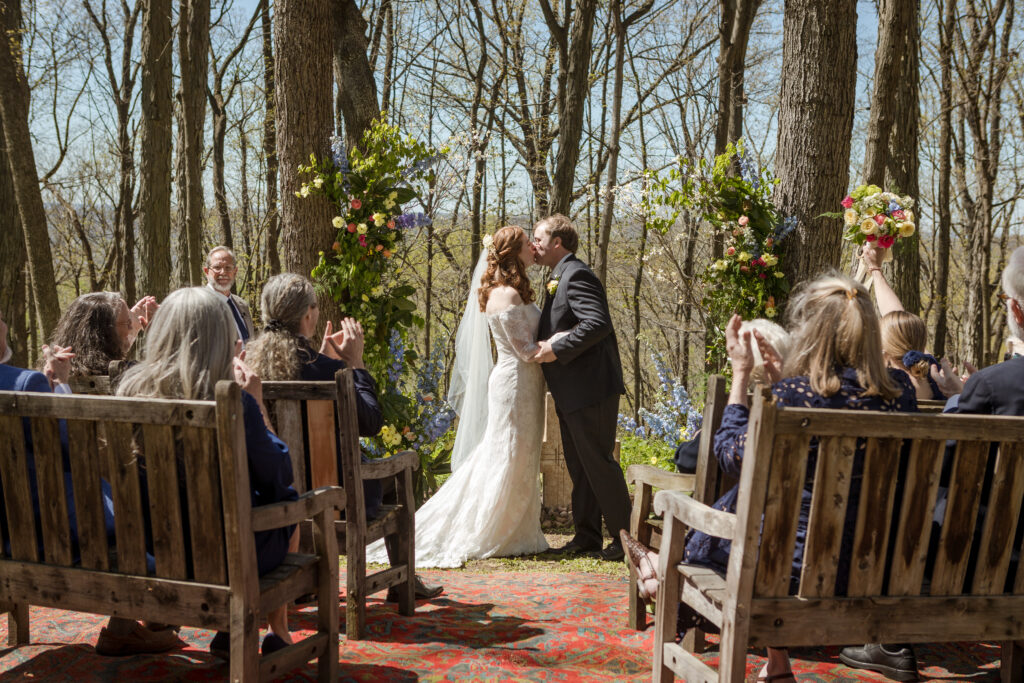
pixel 560 226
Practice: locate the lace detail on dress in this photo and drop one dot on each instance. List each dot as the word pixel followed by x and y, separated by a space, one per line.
pixel 490 506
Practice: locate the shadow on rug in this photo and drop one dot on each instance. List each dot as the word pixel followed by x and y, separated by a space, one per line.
pixel 522 626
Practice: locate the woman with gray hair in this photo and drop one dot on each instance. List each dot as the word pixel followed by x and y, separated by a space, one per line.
pixel 192 345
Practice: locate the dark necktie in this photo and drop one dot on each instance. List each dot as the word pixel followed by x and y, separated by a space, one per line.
pixel 243 330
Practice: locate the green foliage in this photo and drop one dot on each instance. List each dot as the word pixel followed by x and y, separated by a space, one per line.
pixel 634 450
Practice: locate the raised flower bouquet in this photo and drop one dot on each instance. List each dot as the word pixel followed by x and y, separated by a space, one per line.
pixel 873 215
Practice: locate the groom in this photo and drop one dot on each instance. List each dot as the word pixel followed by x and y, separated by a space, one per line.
pixel 584 375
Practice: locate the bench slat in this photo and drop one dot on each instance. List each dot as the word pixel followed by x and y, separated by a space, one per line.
pixel 323 457
pixel 828 510
pixel 822 422
pixel 164 500
pixel 910 549
pixel 85 478
pixel 53 505
pixel 124 480
pixel 17 497
pixel 781 512
pixel 1001 521
pixel 108 408
pixel 202 472
pixel 961 512
pixel 289 428
pixel 874 516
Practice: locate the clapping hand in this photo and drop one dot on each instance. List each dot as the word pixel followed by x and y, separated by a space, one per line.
pixel 737 345
pixel 247 378
pixel 772 359
pixel 142 311
pixel 947 378
pixel 346 344
pixel 57 363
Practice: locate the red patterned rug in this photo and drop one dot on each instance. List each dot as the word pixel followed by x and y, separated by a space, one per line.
pixel 525 626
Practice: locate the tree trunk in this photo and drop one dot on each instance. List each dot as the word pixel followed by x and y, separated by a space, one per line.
pixel 737 16
pixel 573 39
pixel 302 34
pixel 944 223
pixel 14 105
pixel 155 151
pixel 270 140
pixel 890 159
pixel 13 274
pixel 819 53
pixel 193 58
pixel 357 89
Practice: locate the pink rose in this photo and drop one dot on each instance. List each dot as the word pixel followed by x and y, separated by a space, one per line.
pixel 743 221
pixel 885 241
pixel 879 218
pixel 761 275
pixel 362 240
pixel 848 202
pixel 730 251
pixel 871 238
pixel 351 227
pixel 356 204
pixel 745 269
pixel 898 214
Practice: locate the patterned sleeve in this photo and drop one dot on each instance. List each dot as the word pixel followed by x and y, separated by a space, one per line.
pixel 731 438
pixel 520 333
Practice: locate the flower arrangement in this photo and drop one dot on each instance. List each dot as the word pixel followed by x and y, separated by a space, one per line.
pixel 362 270
pixel 872 214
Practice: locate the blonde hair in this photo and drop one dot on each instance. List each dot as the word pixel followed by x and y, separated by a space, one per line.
pixel 274 355
pixel 189 348
pixel 835 325
pixel 774 334
pixel 902 332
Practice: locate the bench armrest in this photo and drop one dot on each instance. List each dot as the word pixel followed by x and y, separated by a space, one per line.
pixel 389 467
pixel 695 515
pixel 309 504
pixel 659 478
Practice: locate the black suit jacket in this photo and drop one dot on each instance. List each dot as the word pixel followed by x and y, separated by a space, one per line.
pixel 995 390
pixel 587 369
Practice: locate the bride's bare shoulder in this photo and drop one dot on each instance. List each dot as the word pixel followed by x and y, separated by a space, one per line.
pixel 502 297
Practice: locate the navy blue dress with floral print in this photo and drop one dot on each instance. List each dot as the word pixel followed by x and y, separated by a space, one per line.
pixel 731 438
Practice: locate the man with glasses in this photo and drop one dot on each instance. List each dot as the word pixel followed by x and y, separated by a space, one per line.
pixel 220 272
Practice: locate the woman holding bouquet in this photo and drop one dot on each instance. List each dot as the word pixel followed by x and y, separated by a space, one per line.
pixel 836 362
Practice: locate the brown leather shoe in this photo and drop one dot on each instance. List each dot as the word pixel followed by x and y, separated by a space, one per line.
pixel 139 641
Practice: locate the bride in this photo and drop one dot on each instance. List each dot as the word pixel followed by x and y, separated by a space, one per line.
pixel 490 506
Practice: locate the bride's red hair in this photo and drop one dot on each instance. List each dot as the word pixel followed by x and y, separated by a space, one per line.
pixel 504 266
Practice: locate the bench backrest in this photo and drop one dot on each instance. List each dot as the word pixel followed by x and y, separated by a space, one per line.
pixel 189 455
pixel 773 475
pixel 315 419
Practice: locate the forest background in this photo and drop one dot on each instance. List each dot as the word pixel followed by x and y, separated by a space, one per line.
pixel 139 133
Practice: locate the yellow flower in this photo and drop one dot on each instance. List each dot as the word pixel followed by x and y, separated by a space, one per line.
pixel 393 196
pixel 770 259
pixel 743 256
pixel 770 312
pixel 318 182
pixel 868 226
pixel 366 298
pixel 379 218
pixel 389 204
pixel 908 215
pixel 906 229
pixel 361 228
pixel 304 192
pixel 779 274
pixel 850 216
pixel 338 222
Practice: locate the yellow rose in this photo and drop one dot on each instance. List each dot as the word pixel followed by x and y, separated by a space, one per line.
pixel 743 256
pixel 361 228
pixel 304 192
pixel 850 216
pixel 338 222
pixel 868 226
pixel 379 218
pixel 770 259
pixel 906 229
pixel 908 216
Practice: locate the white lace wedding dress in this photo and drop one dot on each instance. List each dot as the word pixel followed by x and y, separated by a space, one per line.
pixel 490 505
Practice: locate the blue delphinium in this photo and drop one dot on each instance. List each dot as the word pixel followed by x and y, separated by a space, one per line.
pixel 673 418
pixel 396 351
pixel 783 229
pixel 412 220
pixel 749 171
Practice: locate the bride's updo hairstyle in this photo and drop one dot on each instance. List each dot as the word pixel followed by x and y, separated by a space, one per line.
pixel 504 266
pixel 834 325
pixel 274 354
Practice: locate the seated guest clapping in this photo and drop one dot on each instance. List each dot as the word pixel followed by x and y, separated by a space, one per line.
pixel 101 328
pixel 192 345
pixel 836 362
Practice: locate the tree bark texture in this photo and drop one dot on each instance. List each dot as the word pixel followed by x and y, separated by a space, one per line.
pixel 270 140
pixel 890 159
pixel 14 104
pixel 737 16
pixel 193 58
pixel 944 223
pixel 302 38
pixel 819 54
pixel 155 150
pixel 573 41
pixel 13 280
pixel 357 89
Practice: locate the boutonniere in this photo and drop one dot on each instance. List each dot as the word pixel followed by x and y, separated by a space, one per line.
pixel 552 286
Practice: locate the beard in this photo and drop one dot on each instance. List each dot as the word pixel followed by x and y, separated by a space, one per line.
pixel 225 290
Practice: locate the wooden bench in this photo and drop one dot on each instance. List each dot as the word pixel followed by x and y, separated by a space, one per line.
pixel 889 598
pixel 704 485
pixel 194 459
pixel 313 418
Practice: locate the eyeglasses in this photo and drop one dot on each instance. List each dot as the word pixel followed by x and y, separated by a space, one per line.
pixel 221 269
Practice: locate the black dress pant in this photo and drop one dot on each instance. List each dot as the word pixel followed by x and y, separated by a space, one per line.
pixel 598 486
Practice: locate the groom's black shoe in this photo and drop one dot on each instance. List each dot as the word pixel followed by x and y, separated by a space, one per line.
pixel 613 553
pixel 423 591
pixel 573 547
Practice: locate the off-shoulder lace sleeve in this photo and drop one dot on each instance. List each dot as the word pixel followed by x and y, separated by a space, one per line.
pixel 519 329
